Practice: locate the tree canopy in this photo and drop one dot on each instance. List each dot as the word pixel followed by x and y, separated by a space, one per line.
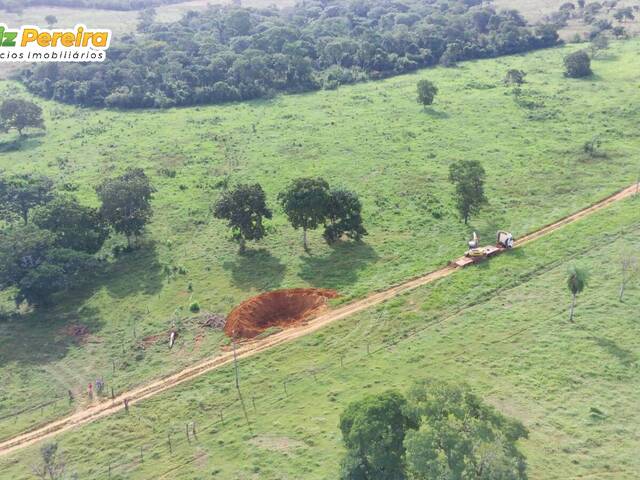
pixel 343 216
pixel 22 192
pixel 227 53
pixel 468 177
pixel 577 64
pixel 426 92
pixel 19 114
pixel 244 207
pixel 373 431
pixel 126 202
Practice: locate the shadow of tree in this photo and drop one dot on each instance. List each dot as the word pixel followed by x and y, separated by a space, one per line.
pixel 135 272
pixel 626 357
pixel 256 269
pixel 433 113
pixel 340 268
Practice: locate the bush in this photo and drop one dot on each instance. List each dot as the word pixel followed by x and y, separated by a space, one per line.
pixel 194 307
pixel 577 64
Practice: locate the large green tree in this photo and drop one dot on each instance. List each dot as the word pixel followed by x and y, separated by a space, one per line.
pixel 461 438
pixel 305 204
pixel 245 207
pixel 343 216
pixel 468 177
pixel 32 264
pixel 126 202
pixel 19 114
pixel 577 64
pixel 373 431
pixel 76 226
pixel 21 193
pixel 427 91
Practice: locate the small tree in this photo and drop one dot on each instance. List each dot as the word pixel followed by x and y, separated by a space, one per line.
pixel 21 193
pixel 19 114
pixel 244 207
pixel 514 77
pixel 373 431
pixel 126 202
pixel 305 204
pixel 52 465
pixel 51 20
pixel 426 92
pixel 468 177
pixel 576 281
pixel 344 216
pixel 629 268
pixel 577 65
pixel 599 43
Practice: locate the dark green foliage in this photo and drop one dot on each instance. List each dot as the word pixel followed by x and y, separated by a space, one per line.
pixel 577 65
pixel 373 431
pixel 20 193
pixel 31 263
pixel 19 114
pixel 126 202
pixel 52 466
pixel 426 92
pixel 468 177
pixel 576 282
pixel 624 13
pixel 514 77
pixel 461 438
pixel 76 226
pixel 245 207
pixel 227 53
pixel 305 204
pixel 343 216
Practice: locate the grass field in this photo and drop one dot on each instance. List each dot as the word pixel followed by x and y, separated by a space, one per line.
pixel 502 327
pixel 371 137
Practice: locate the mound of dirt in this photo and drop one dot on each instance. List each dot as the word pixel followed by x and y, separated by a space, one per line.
pixel 279 308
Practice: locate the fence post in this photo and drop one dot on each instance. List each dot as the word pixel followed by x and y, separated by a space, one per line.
pixel 186 429
pixel 169 440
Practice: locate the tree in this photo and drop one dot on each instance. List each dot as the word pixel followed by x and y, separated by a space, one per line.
pixel 19 114
pixel 76 226
pixel 20 193
pixel 577 65
pixel 598 43
pixel 31 263
pixel 126 202
pixel 244 207
pixel 305 203
pixel 52 466
pixel 629 268
pixel 373 432
pixel 461 438
pixel 576 281
pixel 468 177
pixel 344 216
pixel 514 77
pixel 426 92
pixel 51 20
pixel 624 13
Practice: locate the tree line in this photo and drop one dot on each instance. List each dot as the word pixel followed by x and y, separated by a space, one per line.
pixel 307 202
pixel 229 53
pixel 49 240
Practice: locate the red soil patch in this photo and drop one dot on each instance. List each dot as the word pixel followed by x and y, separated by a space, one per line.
pixel 279 308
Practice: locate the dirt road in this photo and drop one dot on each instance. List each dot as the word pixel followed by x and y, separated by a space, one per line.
pixel 254 347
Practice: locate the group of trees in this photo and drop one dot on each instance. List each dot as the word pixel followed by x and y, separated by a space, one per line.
pixel 307 202
pixel 439 431
pixel 17 114
pixel 50 239
pixel 227 53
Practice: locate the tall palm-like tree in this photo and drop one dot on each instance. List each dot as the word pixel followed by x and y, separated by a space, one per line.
pixel 576 281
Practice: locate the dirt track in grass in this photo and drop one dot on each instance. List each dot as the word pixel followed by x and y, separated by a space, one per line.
pixel 256 346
